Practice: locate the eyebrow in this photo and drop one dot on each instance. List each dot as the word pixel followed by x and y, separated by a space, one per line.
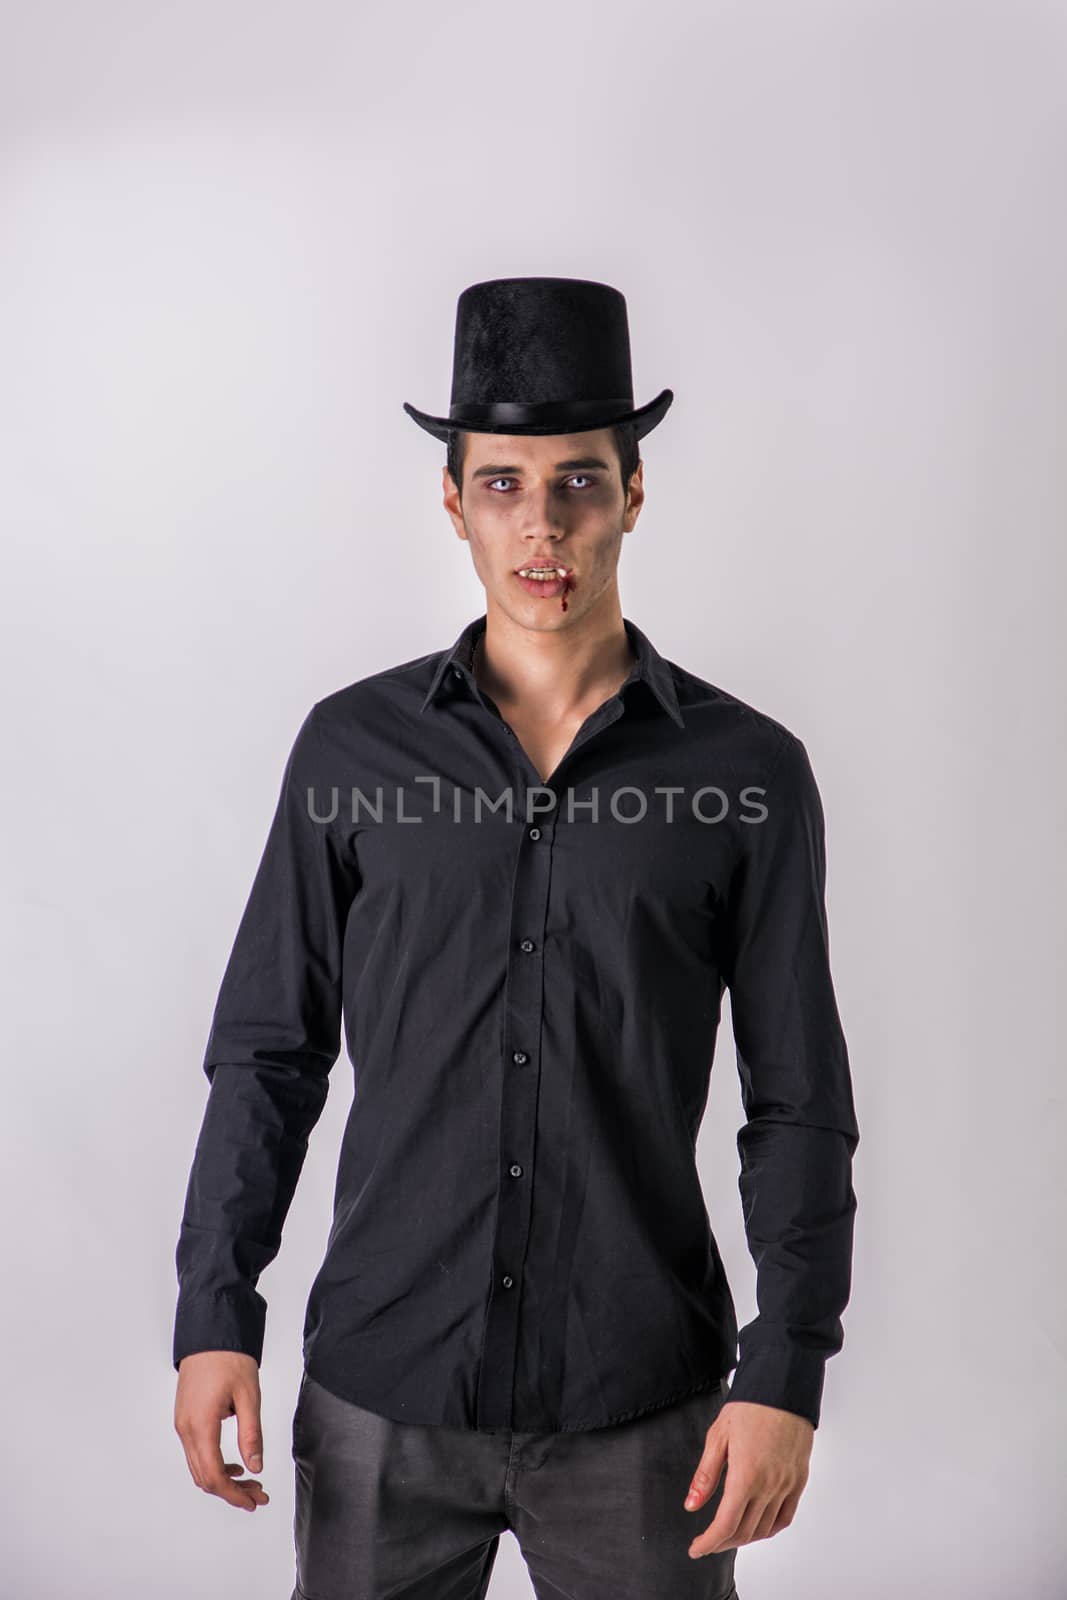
pixel 582 463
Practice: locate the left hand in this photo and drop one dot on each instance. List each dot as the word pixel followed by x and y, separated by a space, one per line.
pixel 766 1452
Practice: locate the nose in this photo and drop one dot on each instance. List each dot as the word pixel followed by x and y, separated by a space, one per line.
pixel 543 518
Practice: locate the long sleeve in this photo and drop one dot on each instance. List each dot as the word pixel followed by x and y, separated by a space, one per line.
pixel 800 1134
pixel 274 1036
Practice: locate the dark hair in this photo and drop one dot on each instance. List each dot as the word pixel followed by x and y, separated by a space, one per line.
pixel 626 446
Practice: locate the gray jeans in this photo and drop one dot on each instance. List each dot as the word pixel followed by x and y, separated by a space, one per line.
pixel 415 1512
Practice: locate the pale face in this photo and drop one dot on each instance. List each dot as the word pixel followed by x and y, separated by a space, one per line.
pixel 553 501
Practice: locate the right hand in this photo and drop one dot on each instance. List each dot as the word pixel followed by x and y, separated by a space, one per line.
pixel 212 1385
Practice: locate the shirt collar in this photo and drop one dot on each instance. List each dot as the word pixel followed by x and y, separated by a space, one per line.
pixel 650 666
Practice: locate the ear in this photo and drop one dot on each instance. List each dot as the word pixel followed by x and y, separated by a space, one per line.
pixel 450 496
pixel 635 498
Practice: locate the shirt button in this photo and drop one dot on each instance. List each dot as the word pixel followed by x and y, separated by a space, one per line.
pixel 520 1058
pixel 527 945
pixel 515 1170
pixel 507 1280
pixel 535 833
pixel 456 673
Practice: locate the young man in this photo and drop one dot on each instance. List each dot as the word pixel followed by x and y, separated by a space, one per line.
pixel 525 869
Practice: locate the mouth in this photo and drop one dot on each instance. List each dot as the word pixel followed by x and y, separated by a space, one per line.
pixel 546 579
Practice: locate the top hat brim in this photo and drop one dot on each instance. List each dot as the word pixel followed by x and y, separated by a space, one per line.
pixel 644 419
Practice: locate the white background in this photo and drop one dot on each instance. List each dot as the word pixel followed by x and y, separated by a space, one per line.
pixel 232 242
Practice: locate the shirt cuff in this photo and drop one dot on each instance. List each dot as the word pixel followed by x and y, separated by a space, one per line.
pixel 223 1322
pixel 786 1376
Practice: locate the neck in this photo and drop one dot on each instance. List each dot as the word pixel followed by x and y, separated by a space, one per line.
pixel 555 673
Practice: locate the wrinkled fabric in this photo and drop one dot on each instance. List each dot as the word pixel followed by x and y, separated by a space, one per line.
pixel 391 1509
pixel 529 979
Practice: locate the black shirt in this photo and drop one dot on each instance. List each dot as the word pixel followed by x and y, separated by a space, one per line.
pixel 530 977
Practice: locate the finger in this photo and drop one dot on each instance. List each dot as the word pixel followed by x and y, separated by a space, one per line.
pixel 195 1432
pixel 249 1428
pixel 787 1511
pixel 718 1535
pixel 746 1528
pixel 192 1445
pixel 213 1477
pixel 740 1534
pixel 235 1469
pixel 253 1485
pixel 769 1520
pixel 705 1479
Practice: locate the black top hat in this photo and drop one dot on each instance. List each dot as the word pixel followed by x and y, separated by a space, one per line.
pixel 542 355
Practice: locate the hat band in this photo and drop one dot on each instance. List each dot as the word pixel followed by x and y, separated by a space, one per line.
pixel 541 411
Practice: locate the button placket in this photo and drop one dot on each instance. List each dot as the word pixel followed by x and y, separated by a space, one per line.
pixel 524 1007
pixel 524 1003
